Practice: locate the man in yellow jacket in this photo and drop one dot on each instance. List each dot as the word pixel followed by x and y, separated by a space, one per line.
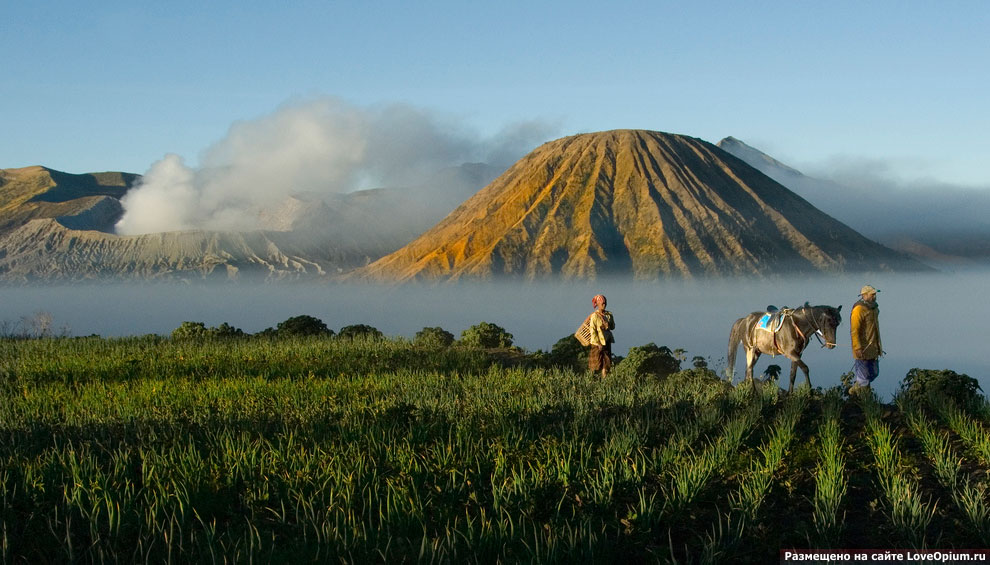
pixel 864 329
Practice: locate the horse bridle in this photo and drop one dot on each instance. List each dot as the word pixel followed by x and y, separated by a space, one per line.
pixel 818 329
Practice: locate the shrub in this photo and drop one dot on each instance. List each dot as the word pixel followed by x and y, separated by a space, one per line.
pixel 486 335
pixel 226 330
pixel 568 352
pixel 190 330
pixel 919 383
pixel 360 331
pixel 703 375
pixel 650 360
pixel 303 326
pixel 433 337
pixel 198 330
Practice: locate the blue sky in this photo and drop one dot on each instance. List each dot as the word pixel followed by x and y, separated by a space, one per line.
pixel 898 86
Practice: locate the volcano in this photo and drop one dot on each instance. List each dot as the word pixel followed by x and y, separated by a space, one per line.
pixel 633 203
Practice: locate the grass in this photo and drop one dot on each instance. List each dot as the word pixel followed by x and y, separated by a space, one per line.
pixel 151 450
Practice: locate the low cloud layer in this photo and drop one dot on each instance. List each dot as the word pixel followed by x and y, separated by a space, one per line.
pixel 876 198
pixel 317 147
pixel 920 327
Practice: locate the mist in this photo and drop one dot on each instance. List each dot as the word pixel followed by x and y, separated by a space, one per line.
pixel 929 321
pixel 318 147
pixel 877 199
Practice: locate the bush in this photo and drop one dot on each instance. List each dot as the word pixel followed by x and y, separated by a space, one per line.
pixel 190 330
pixel 650 360
pixel 198 330
pixel 226 330
pixel 697 374
pixel 568 352
pixel 303 326
pixel 487 336
pixel 433 337
pixel 919 383
pixel 360 331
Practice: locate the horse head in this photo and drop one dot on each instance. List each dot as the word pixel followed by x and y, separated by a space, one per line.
pixel 826 319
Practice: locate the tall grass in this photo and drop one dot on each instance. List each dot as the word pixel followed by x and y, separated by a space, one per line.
pixel 153 450
pixel 969 496
pixel 973 432
pixel 831 483
pixel 755 484
pixel 909 513
pixel 162 450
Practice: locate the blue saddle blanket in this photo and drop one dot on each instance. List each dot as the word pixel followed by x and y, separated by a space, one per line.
pixel 771 322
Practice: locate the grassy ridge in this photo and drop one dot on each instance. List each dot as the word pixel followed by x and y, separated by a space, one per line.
pixel 149 449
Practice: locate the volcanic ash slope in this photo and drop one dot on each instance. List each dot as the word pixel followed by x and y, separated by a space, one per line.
pixel 633 203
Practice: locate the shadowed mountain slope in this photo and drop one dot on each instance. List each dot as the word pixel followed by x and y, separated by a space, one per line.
pixel 88 201
pixel 942 225
pixel 633 203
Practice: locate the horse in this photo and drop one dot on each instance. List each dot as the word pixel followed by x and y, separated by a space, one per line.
pixel 794 334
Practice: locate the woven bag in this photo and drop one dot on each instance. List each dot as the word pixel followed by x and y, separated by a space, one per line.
pixel 583 333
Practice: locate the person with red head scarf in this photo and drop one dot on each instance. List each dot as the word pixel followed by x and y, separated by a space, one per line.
pixel 602 323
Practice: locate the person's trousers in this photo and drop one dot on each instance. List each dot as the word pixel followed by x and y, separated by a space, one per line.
pixel 866 370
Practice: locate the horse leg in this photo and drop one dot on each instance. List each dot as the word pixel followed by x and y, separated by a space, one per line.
pixel 795 363
pixel 752 355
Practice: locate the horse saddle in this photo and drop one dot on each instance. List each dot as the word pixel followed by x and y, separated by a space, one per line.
pixel 773 319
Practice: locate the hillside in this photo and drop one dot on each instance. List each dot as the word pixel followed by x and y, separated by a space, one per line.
pixel 952 233
pixel 56 226
pixel 89 201
pixel 633 203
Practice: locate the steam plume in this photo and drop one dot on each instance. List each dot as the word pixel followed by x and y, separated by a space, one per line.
pixel 323 146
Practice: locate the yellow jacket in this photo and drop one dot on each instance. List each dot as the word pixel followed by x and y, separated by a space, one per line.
pixel 602 323
pixel 864 329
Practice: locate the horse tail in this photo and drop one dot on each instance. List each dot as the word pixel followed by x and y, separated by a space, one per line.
pixel 735 337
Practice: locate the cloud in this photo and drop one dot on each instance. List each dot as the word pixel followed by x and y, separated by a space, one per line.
pixel 871 196
pixel 320 146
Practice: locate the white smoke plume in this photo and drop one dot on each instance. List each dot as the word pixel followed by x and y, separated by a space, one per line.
pixel 322 146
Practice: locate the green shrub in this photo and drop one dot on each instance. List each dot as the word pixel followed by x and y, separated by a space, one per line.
pixel 360 331
pixel 190 330
pixel 303 326
pixel 198 330
pixel 689 376
pixel 487 336
pixel 650 360
pixel 568 352
pixel 919 383
pixel 226 330
pixel 433 337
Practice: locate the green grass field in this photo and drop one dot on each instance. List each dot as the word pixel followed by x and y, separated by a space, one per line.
pixel 330 450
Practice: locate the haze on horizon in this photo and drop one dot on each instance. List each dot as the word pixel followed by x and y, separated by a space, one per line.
pixel 931 321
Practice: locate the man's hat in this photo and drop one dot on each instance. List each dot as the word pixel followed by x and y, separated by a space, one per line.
pixel 868 290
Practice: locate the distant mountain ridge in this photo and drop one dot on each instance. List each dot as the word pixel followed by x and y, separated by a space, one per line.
pixel 948 229
pixel 57 226
pixel 628 203
pixel 633 203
